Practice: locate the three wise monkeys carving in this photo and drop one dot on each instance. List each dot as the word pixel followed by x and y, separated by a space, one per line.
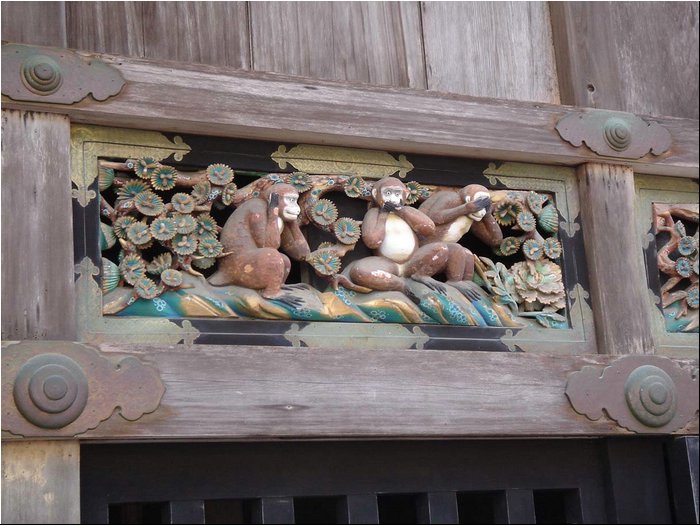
pixel 263 233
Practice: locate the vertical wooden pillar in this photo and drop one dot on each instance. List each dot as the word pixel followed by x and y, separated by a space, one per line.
pixel 40 479
pixel 619 290
pixel 38 287
pixel 41 482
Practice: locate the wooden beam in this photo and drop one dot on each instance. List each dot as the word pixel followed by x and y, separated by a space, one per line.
pixel 220 101
pixel 38 287
pixel 244 393
pixel 41 482
pixel 617 279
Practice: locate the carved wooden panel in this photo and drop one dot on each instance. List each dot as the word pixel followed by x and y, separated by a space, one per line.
pixel 189 239
pixel 667 218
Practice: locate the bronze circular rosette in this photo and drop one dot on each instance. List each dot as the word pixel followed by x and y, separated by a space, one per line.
pixel 617 133
pixel 41 74
pixel 651 395
pixel 51 390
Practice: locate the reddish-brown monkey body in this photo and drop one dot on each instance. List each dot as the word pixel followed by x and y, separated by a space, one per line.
pixel 392 230
pixel 253 236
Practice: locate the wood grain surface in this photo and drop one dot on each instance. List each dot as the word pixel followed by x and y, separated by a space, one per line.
pixel 106 27
pixel 41 482
pixel 236 392
pixel 373 42
pixel 204 32
pixel 640 57
pixel 490 49
pixel 38 290
pixel 35 23
pixel 618 283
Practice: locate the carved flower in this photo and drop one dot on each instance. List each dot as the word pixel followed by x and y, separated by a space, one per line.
pixel 210 247
pixel 548 219
pixel 533 249
pixel 131 189
pixel 159 264
pixel 301 181
pixel 146 288
pixel 538 284
pixel 171 278
pixel 219 174
pixel 149 203
pixel 354 187
pixel 132 268
pixel 184 223
pixel 164 178
pixel 163 228
pixel 145 167
pixel 509 246
pixel 687 245
pixel 347 230
pixel 107 237
pixel 324 212
pixel 105 178
pixel 183 202
pixel 526 221
pixel 325 262
pixel 206 225
pixel 184 244
pixel 122 224
pixel 684 267
pixel 536 201
pixel 506 211
pixel 693 299
pixel 228 193
pixel 200 192
pixel 415 192
pixel 139 233
pixel 552 248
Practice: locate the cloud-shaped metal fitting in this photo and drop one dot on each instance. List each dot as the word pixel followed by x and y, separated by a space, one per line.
pixel 614 134
pixel 58 76
pixel 58 388
pixel 645 394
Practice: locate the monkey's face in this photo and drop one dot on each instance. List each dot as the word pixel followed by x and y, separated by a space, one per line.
pixel 478 215
pixel 289 207
pixel 390 196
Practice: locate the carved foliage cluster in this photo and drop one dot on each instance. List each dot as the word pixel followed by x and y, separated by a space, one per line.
pixel 677 260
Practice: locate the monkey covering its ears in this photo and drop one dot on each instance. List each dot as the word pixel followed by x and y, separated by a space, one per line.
pixel 253 235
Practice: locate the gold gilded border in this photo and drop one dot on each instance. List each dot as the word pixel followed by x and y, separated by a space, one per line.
pixel 331 160
pixel 88 143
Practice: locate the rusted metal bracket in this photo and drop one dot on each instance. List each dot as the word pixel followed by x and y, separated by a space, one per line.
pixel 61 389
pixel 644 394
pixel 58 76
pixel 614 134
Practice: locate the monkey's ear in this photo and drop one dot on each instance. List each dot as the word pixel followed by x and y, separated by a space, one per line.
pixel 374 192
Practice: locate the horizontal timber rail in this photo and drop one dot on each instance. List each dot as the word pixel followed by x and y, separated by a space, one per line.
pixel 200 99
pixel 250 393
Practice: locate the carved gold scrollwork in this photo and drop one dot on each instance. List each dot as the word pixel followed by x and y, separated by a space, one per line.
pixel 328 160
